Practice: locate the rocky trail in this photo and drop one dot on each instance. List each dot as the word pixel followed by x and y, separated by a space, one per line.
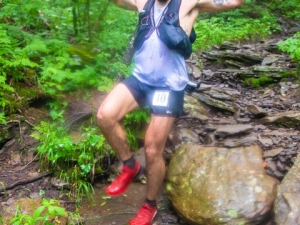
pixel 224 112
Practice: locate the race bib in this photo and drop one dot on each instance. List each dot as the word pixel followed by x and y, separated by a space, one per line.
pixel 160 98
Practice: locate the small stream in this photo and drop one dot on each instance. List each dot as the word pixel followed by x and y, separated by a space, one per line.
pixel 113 210
pixel 119 210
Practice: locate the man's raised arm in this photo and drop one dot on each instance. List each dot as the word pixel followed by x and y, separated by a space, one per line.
pixel 218 5
pixel 126 4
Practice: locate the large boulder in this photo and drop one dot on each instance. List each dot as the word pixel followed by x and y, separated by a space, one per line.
pixel 212 185
pixel 287 203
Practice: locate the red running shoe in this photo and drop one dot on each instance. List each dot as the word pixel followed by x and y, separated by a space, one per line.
pixel 145 215
pixel 120 184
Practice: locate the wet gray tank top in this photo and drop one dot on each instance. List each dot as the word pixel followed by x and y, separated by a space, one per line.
pixel 156 65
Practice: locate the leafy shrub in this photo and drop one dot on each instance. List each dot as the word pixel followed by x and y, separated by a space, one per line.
pixel 292 46
pixel 289 8
pixel 14 69
pixel 2 118
pixel 77 161
pixel 134 124
pixel 49 208
pixel 250 22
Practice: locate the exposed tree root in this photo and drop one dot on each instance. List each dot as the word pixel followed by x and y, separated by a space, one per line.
pixel 23 182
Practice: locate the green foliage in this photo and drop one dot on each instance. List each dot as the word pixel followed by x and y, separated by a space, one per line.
pixel 55 143
pixel 134 123
pixel 247 23
pixel 49 208
pixel 118 27
pixel 76 160
pixel 12 61
pixel 2 118
pixel 5 192
pixel 292 46
pixel 34 36
pixel 79 188
pixel 289 8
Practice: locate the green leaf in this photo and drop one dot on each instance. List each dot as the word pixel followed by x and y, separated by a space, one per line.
pixel 38 212
pixel 59 211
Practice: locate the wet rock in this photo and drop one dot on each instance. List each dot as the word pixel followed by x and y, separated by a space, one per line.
pixel 226 45
pixel 11 146
pixel 266 142
pixel 204 87
pixel 209 139
pixel 214 102
pixel 256 111
pixel 208 74
pixel 272 153
pixel 239 141
pixel 218 95
pixel 183 136
pixel 289 119
pixel 269 60
pixel 247 57
pixel 6 133
pixel 269 69
pixel 169 218
pixel 271 165
pixel 243 120
pixel 15 158
pixel 210 190
pixel 287 204
pixel 283 88
pixel 193 70
pixel 59 184
pixel 263 71
pixel 279 175
pixel 195 109
pixel 232 92
pixel 234 129
pixel 280 166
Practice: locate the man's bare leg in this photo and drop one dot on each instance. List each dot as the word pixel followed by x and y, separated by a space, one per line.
pixel 114 107
pixel 155 141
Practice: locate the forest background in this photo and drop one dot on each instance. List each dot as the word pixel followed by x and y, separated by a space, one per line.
pixel 51 48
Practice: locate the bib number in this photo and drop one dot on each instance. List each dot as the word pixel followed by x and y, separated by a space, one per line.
pixel 160 98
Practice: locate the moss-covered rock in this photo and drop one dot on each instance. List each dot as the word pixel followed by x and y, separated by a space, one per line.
pixel 211 185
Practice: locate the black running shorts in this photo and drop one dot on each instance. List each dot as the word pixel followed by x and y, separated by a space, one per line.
pixel 162 101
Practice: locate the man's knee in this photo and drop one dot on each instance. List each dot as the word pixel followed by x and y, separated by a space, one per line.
pixel 152 149
pixel 104 118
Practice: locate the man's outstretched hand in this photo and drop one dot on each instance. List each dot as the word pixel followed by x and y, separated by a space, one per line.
pixel 192 86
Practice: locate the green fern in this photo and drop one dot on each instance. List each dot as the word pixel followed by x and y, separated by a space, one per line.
pixel 292 46
pixel 36 48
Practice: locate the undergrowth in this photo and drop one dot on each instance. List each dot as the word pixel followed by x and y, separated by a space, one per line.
pixel 49 48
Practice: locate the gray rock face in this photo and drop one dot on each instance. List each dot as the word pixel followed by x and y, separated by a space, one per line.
pixel 213 185
pixel 287 119
pixel 287 204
